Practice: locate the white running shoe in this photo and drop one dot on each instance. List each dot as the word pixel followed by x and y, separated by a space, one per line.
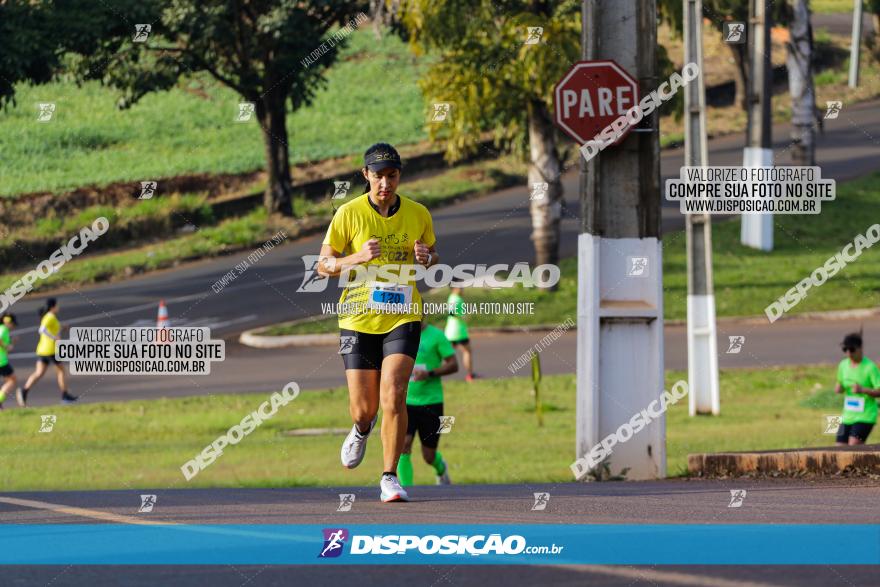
pixel 391 489
pixel 355 446
pixel 444 478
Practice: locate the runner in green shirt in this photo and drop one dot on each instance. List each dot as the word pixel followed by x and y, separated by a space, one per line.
pixel 858 378
pixel 457 333
pixel 7 373
pixel 424 403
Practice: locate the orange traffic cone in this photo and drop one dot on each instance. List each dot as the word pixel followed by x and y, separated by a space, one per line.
pixel 162 323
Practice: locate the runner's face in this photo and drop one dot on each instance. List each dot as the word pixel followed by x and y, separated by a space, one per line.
pixel 383 183
pixel 855 355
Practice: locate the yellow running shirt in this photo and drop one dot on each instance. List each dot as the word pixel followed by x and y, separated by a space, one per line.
pixel 46 346
pixel 355 223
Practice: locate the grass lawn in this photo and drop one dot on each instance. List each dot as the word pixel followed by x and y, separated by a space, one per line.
pixel 191 128
pixel 831 6
pixel 495 438
pixel 746 280
pixel 234 234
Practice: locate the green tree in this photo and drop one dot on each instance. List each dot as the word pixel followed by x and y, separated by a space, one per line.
pixel 273 53
pixel 499 79
pixel 29 48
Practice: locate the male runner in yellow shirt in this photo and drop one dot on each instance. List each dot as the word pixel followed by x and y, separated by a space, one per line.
pixel 380 330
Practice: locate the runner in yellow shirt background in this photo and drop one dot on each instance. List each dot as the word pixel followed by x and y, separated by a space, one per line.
pixel 50 332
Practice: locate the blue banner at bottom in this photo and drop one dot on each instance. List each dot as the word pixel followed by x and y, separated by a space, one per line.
pixel 437 544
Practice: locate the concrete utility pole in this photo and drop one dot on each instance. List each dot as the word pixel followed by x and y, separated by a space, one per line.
pixel 620 292
pixel 701 333
pixel 854 53
pixel 757 229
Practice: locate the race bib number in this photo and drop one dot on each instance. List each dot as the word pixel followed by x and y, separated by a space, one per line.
pixel 389 297
pixel 854 404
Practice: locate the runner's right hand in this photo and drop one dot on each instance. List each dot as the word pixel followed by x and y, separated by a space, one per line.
pixel 370 250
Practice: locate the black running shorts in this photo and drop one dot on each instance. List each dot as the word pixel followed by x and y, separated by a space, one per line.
pixel 46 359
pixel 6 370
pixel 860 430
pixel 361 350
pixel 425 419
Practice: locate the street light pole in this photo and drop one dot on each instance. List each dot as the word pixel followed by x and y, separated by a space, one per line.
pixel 620 290
pixel 757 229
pixel 701 332
pixel 855 44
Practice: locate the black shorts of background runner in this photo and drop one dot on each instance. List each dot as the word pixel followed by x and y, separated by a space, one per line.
pixel 6 370
pixel 458 342
pixel 361 350
pixel 46 359
pixel 425 419
pixel 860 430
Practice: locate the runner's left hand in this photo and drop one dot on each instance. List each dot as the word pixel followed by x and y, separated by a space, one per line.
pixel 419 375
pixel 856 388
pixel 422 252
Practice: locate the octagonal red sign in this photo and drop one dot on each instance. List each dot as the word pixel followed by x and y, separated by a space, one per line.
pixel 590 96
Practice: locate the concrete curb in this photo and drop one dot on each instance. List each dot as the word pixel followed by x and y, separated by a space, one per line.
pixel 823 461
pixel 853 314
pixel 260 341
pixel 252 339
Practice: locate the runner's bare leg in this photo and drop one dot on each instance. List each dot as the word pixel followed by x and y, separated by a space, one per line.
pixel 396 370
pixel 363 396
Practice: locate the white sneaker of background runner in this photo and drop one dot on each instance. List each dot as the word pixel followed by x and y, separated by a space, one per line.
pixel 355 445
pixel 391 489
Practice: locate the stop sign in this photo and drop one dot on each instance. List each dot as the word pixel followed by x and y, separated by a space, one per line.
pixel 591 96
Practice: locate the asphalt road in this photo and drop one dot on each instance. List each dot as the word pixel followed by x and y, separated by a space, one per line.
pixel 654 502
pixel 493 229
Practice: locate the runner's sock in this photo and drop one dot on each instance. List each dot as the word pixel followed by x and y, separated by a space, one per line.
pixel 2 396
pixel 405 470
pixel 439 464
